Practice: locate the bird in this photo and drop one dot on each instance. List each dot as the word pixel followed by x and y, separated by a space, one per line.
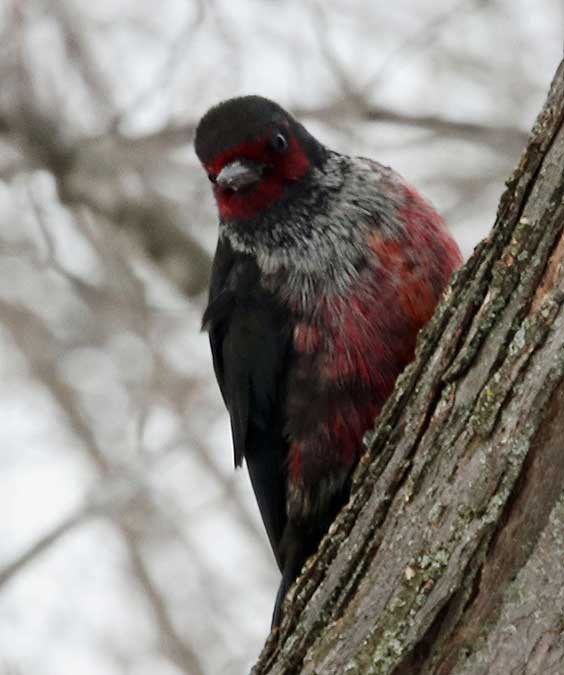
pixel 327 266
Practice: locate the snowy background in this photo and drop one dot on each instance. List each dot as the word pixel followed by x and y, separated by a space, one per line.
pixel 127 542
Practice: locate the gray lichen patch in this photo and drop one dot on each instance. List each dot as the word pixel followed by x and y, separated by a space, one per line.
pixel 528 630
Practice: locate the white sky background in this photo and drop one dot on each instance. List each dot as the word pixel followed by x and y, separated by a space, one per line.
pixel 110 420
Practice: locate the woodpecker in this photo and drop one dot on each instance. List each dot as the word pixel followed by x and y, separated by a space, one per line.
pixel 326 268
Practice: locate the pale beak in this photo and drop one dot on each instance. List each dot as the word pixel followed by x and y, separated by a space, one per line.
pixel 239 174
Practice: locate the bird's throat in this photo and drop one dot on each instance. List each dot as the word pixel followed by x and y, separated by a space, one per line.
pixel 250 203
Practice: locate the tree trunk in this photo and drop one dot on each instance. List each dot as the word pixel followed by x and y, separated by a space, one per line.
pixel 449 557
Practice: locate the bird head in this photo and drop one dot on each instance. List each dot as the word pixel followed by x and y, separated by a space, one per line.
pixel 255 154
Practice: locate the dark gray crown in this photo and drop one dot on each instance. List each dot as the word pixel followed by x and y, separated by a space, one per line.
pixel 236 121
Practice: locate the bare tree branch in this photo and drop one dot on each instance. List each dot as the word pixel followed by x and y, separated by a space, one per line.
pixel 42 544
pixel 28 329
pixel 503 139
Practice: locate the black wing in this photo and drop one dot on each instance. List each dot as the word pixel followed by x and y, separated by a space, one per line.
pixel 250 343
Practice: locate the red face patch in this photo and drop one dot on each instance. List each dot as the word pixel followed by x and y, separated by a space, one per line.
pixel 281 169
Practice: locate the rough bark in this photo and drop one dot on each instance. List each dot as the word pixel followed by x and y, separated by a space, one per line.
pixel 449 557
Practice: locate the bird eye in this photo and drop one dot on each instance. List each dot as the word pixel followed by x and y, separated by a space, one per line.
pixel 280 142
pixel 211 177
